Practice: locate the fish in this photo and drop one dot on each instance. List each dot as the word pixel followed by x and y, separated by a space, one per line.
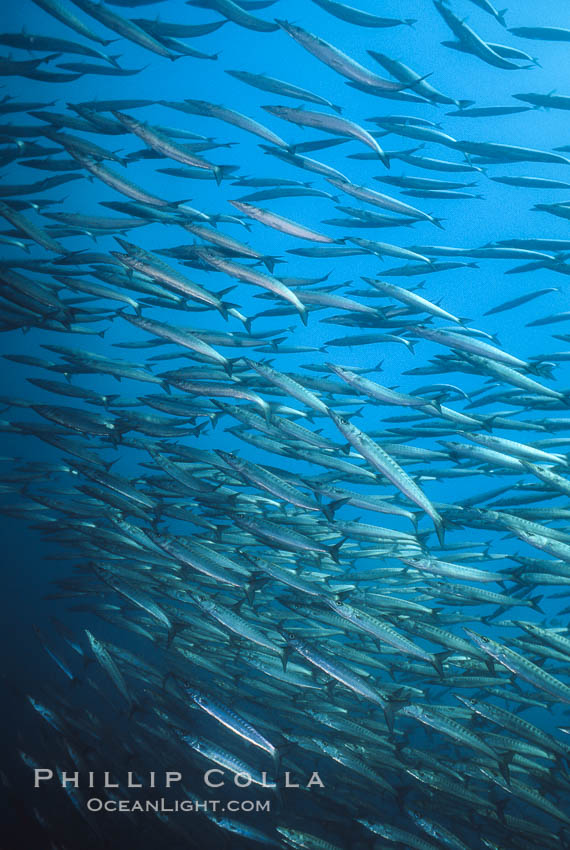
pixel 334 668
pixel 50 44
pixel 499 15
pixel 237 13
pixel 162 144
pixel 513 153
pixel 249 275
pixel 268 481
pixel 289 385
pixel 521 666
pixel 270 84
pixel 181 337
pixel 330 124
pixel 118 181
pixel 281 223
pixel 123 26
pixel 432 164
pixel 178 30
pixel 488 111
pixel 62 13
pixel 471 40
pixel 414 80
pixel 304 162
pixel 423 183
pixel 230 718
pixel 231 116
pixel 417 301
pixel 33 231
pixel 108 664
pixel 384 201
pixel 156 269
pixel 542 33
pixel 359 17
pixel 386 465
pixel 477 347
pixel 337 60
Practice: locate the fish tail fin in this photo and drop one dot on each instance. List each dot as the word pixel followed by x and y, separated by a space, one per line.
pixel 503 764
pixel 199 428
pixel 218 173
pixel 172 632
pixel 336 107
pixel 134 706
pixel 487 422
pixel 415 518
pixel 334 550
pixel 395 702
pixel 410 21
pixel 249 589
pixel 109 398
pixel 439 528
pixel 166 387
pixel 416 82
pixel 303 312
pixel 330 509
pixel 438 659
pixel 169 675
pixel 437 222
pixel 246 320
pixel 285 655
pixel 542 370
pixel 535 602
pixel 490 617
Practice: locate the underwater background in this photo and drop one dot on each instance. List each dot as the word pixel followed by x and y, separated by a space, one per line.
pixel 54 535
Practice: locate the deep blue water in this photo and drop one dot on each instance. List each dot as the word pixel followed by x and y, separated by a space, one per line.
pixel 32 562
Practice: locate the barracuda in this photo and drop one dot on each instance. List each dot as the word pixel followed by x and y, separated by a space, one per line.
pixel 522 667
pixel 381 461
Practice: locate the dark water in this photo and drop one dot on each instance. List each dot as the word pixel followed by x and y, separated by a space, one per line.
pixel 39 553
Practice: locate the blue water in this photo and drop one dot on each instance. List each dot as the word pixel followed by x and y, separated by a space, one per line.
pixel 32 562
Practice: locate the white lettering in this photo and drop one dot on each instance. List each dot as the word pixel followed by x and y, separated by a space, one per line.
pixel 172 776
pixel 70 779
pixel 288 783
pixel 315 780
pixel 38 777
pixel 210 773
